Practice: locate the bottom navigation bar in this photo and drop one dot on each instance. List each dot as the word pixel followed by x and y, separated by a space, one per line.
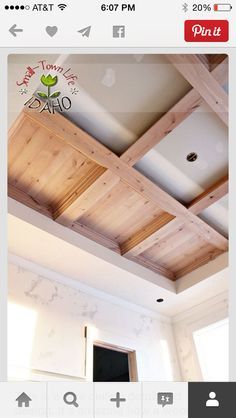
pixel 126 400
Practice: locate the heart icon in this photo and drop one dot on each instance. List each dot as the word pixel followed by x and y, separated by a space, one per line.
pixel 51 30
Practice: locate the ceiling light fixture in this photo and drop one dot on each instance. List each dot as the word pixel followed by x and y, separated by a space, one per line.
pixel 191 157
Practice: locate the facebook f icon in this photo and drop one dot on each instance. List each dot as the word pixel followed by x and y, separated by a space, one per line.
pixel 118 31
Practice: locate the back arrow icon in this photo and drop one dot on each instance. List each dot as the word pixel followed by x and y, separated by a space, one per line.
pixel 14 30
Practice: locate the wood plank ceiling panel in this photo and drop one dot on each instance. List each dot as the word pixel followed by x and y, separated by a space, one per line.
pixel 44 168
pixel 146 238
pixel 181 252
pixel 117 216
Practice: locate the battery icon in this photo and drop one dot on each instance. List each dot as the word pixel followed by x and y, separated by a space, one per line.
pixel 222 7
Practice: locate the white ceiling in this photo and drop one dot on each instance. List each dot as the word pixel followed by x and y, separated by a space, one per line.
pixel 133 90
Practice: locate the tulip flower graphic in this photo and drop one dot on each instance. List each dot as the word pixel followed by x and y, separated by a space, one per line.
pixel 49 82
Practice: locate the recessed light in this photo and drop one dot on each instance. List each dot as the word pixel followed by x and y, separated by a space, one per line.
pixel 160 300
pixel 191 157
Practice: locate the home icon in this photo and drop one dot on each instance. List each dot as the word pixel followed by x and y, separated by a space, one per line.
pixel 23 400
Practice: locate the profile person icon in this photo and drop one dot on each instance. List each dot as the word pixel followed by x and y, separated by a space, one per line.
pixel 212 401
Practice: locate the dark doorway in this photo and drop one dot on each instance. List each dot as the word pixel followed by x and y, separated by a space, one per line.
pixel 110 365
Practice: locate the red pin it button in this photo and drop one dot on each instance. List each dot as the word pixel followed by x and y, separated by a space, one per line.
pixel 206 31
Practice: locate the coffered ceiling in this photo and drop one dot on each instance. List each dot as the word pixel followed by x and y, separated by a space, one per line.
pixel 135 193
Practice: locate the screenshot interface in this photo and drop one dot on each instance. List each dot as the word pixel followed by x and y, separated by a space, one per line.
pixel 117 272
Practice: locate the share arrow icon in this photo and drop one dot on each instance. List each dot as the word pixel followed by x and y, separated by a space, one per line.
pixel 85 31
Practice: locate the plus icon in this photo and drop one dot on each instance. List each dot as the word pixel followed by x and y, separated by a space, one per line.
pixel 118 399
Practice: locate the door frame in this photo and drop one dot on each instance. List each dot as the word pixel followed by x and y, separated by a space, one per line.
pixel 91 341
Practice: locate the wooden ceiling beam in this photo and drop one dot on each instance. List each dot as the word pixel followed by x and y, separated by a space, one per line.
pixel 215 59
pixel 84 143
pixel 149 235
pixel 204 58
pixel 196 73
pixel 210 196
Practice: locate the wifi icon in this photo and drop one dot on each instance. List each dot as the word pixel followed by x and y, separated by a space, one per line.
pixel 62 6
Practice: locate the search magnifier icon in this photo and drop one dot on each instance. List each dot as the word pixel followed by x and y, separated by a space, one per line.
pixel 70 398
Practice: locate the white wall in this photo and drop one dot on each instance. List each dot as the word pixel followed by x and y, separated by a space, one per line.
pixel 61 312
pixel 184 324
